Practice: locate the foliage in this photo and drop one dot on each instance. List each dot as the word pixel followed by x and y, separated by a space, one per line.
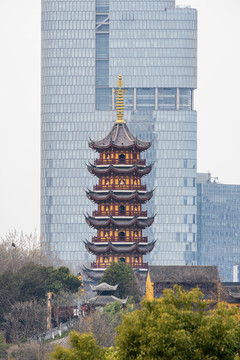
pixel 103 323
pixel 83 347
pixel 33 282
pixel 17 250
pixel 3 348
pixel 26 320
pixel 113 312
pixel 179 326
pixel 123 275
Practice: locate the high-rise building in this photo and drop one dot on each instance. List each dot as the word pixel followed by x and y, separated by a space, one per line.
pixel 218 235
pixel 85 45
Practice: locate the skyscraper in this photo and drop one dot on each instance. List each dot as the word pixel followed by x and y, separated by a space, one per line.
pixel 218 235
pixel 85 45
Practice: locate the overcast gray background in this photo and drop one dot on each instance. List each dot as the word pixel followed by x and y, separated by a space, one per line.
pixel 216 100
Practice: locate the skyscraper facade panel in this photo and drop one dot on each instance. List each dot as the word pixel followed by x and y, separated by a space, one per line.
pixel 218 226
pixel 85 46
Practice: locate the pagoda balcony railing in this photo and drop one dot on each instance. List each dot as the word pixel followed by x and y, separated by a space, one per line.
pixel 96 239
pixel 121 162
pixel 105 265
pixel 120 213
pixel 120 187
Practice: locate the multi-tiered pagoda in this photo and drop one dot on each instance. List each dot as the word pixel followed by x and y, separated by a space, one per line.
pixel 119 219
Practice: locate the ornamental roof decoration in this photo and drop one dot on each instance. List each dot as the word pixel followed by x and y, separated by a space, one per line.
pixel 98 197
pixel 124 170
pixel 120 135
pixel 97 222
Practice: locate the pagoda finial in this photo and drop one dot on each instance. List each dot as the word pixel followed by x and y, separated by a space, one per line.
pixel 120 101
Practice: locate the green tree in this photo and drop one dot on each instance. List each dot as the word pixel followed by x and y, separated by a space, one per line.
pixel 3 348
pixel 179 326
pixel 123 275
pixel 83 347
pixel 33 281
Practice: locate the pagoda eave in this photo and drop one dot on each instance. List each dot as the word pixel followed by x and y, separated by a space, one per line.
pixel 120 137
pixel 117 248
pixel 100 148
pixel 135 169
pixel 99 197
pixel 99 222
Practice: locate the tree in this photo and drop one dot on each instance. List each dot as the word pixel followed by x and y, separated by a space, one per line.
pixel 33 281
pixel 179 326
pixel 123 275
pixel 103 323
pixel 83 347
pixel 3 348
pixel 27 320
pixel 17 250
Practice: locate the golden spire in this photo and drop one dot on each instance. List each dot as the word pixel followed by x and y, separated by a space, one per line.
pixel 120 101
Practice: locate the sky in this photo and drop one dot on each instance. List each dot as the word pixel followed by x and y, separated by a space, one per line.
pixel 216 101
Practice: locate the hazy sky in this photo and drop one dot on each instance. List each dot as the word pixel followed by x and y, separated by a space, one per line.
pixel 216 101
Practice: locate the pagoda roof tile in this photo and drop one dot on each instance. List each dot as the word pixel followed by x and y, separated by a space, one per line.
pixel 97 222
pixel 120 137
pixel 113 194
pixel 140 170
pixel 119 248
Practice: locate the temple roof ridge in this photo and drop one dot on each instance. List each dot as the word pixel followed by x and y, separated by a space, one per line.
pixel 104 287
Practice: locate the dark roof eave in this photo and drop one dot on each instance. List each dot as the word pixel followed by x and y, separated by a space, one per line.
pixel 142 223
pixel 100 148
pixel 96 197
pixel 101 249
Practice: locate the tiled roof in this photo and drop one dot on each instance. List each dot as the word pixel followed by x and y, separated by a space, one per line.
pixel 137 169
pixel 102 300
pixel 119 195
pixel 119 248
pixel 104 287
pixel 121 137
pixel 182 274
pixel 119 222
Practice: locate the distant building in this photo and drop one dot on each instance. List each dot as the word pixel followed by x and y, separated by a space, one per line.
pixel 85 45
pixel 104 296
pixel 230 292
pixel 218 223
pixel 189 277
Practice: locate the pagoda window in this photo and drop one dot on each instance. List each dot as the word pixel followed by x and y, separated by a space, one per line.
pixel 121 235
pixel 134 156
pixel 135 182
pixel 107 208
pixel 107 181
pixel 122 209
pixel 122 182
pixel 122 260
pixel 121 158
pixel 136 260
pixel 106 234
pixel 135 233
pixel 105 260
pixel 108 156
pixel 135 208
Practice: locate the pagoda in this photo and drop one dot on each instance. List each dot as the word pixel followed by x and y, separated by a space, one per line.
pixel 119 219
